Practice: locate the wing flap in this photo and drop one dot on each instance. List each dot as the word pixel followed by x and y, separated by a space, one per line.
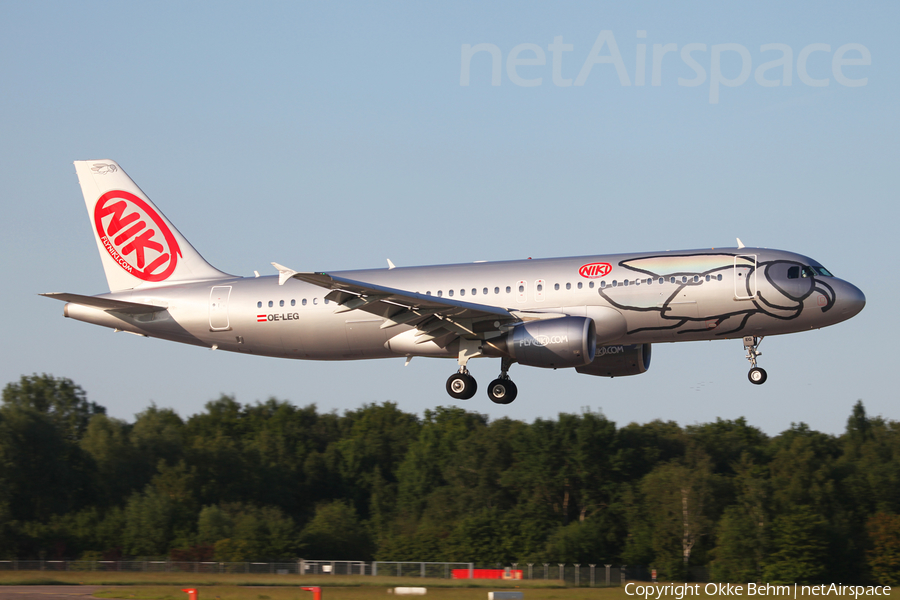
pixel 437 319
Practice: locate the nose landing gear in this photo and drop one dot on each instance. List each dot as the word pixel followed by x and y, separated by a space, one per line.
pixel 757 375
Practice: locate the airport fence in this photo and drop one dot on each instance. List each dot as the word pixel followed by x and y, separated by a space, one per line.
pixel 579 575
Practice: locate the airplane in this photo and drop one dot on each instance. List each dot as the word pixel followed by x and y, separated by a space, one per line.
pixel 597 314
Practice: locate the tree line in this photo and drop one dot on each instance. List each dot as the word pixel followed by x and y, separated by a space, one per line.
pixel 272 480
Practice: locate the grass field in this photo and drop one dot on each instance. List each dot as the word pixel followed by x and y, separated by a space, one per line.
pixel 167 586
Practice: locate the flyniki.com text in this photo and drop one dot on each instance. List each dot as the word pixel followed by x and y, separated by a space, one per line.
pixel 679 591
pixel 811 64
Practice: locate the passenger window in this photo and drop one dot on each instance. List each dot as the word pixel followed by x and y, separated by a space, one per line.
pixel 556 286
pixel 271 304
pixel 450 293
pixel 508 289
pixel 719 277
pixel 428 293
pixel 259 304
pixel 602 284
pixel 462 292
pixel 568 286
pixel 326 300
pixel 591 285
pixel 484 291
pixel 497 290
pixel 440 294
pixel 625 282
pixel 293 302
pixel 579 285
pixel 281 303
pixel 474 292
pixel 661 280
pixel 696 279
pixel 315 301
pixel 521 288
pixel 303 302
pixel 540 287
pixel 671 280
pixel 615 283
pixel 707 277
pixel 683 279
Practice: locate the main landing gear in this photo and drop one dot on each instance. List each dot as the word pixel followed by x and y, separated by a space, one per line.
pixel 502 390
pixel 757 375
pixel 462 386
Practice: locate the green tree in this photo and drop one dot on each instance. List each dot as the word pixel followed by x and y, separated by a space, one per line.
pixel 678 499
pixel 800 548
pixel 335 533
pixel 59 398
pixel 883 557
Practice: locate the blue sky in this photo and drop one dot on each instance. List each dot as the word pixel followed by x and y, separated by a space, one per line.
pixel 330 136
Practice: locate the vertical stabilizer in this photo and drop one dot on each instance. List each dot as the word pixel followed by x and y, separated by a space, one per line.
pixel 138 246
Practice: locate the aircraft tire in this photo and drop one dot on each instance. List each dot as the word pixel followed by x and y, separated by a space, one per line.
pixel 757 376
pixel 502 391
pixel 461 386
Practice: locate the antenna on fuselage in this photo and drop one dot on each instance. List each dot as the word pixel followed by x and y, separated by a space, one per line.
pixel 740 244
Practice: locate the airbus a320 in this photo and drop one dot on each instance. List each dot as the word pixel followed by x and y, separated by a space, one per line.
pixel 599 315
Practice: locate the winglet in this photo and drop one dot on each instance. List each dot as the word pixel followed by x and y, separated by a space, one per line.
pixel 740 244
pixel 283 273
pixel 391 265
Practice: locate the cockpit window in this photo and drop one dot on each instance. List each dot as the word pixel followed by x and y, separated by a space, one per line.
pixel 805 271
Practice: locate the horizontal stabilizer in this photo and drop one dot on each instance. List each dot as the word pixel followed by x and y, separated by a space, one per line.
pixel 129 308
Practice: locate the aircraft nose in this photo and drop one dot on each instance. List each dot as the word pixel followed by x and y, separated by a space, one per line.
pixel 851 300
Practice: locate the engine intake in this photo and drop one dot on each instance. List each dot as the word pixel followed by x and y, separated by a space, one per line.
pixel 619 361
pixel 552 344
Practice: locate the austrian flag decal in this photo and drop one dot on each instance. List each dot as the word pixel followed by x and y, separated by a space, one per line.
pixel 261 318
pixel 136 236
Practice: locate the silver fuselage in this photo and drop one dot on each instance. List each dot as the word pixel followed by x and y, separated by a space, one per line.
pixel 664 297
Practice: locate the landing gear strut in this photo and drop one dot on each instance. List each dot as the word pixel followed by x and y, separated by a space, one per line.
pixel 461 385
pixel 502 390
pixel 756 375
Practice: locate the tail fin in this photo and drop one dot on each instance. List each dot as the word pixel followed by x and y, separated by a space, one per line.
pixel 138 246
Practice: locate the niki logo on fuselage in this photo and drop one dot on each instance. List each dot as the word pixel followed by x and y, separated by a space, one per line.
pixel 136 236
pixel 595 270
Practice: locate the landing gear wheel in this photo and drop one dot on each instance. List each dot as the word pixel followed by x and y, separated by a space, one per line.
pixel 502 391
pixel 461 386
pixel 757 375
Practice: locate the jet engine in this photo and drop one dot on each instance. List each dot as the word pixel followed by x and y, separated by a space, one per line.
pixel 618 361
pixel 551 344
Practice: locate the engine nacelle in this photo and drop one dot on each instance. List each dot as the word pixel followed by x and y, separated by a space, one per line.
pixel 619 361
pixel 551 344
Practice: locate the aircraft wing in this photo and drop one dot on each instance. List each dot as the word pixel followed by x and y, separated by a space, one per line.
pixel 109 304
pixel 438 319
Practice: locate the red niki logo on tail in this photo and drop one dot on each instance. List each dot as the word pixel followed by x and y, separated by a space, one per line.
pixel 136 236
